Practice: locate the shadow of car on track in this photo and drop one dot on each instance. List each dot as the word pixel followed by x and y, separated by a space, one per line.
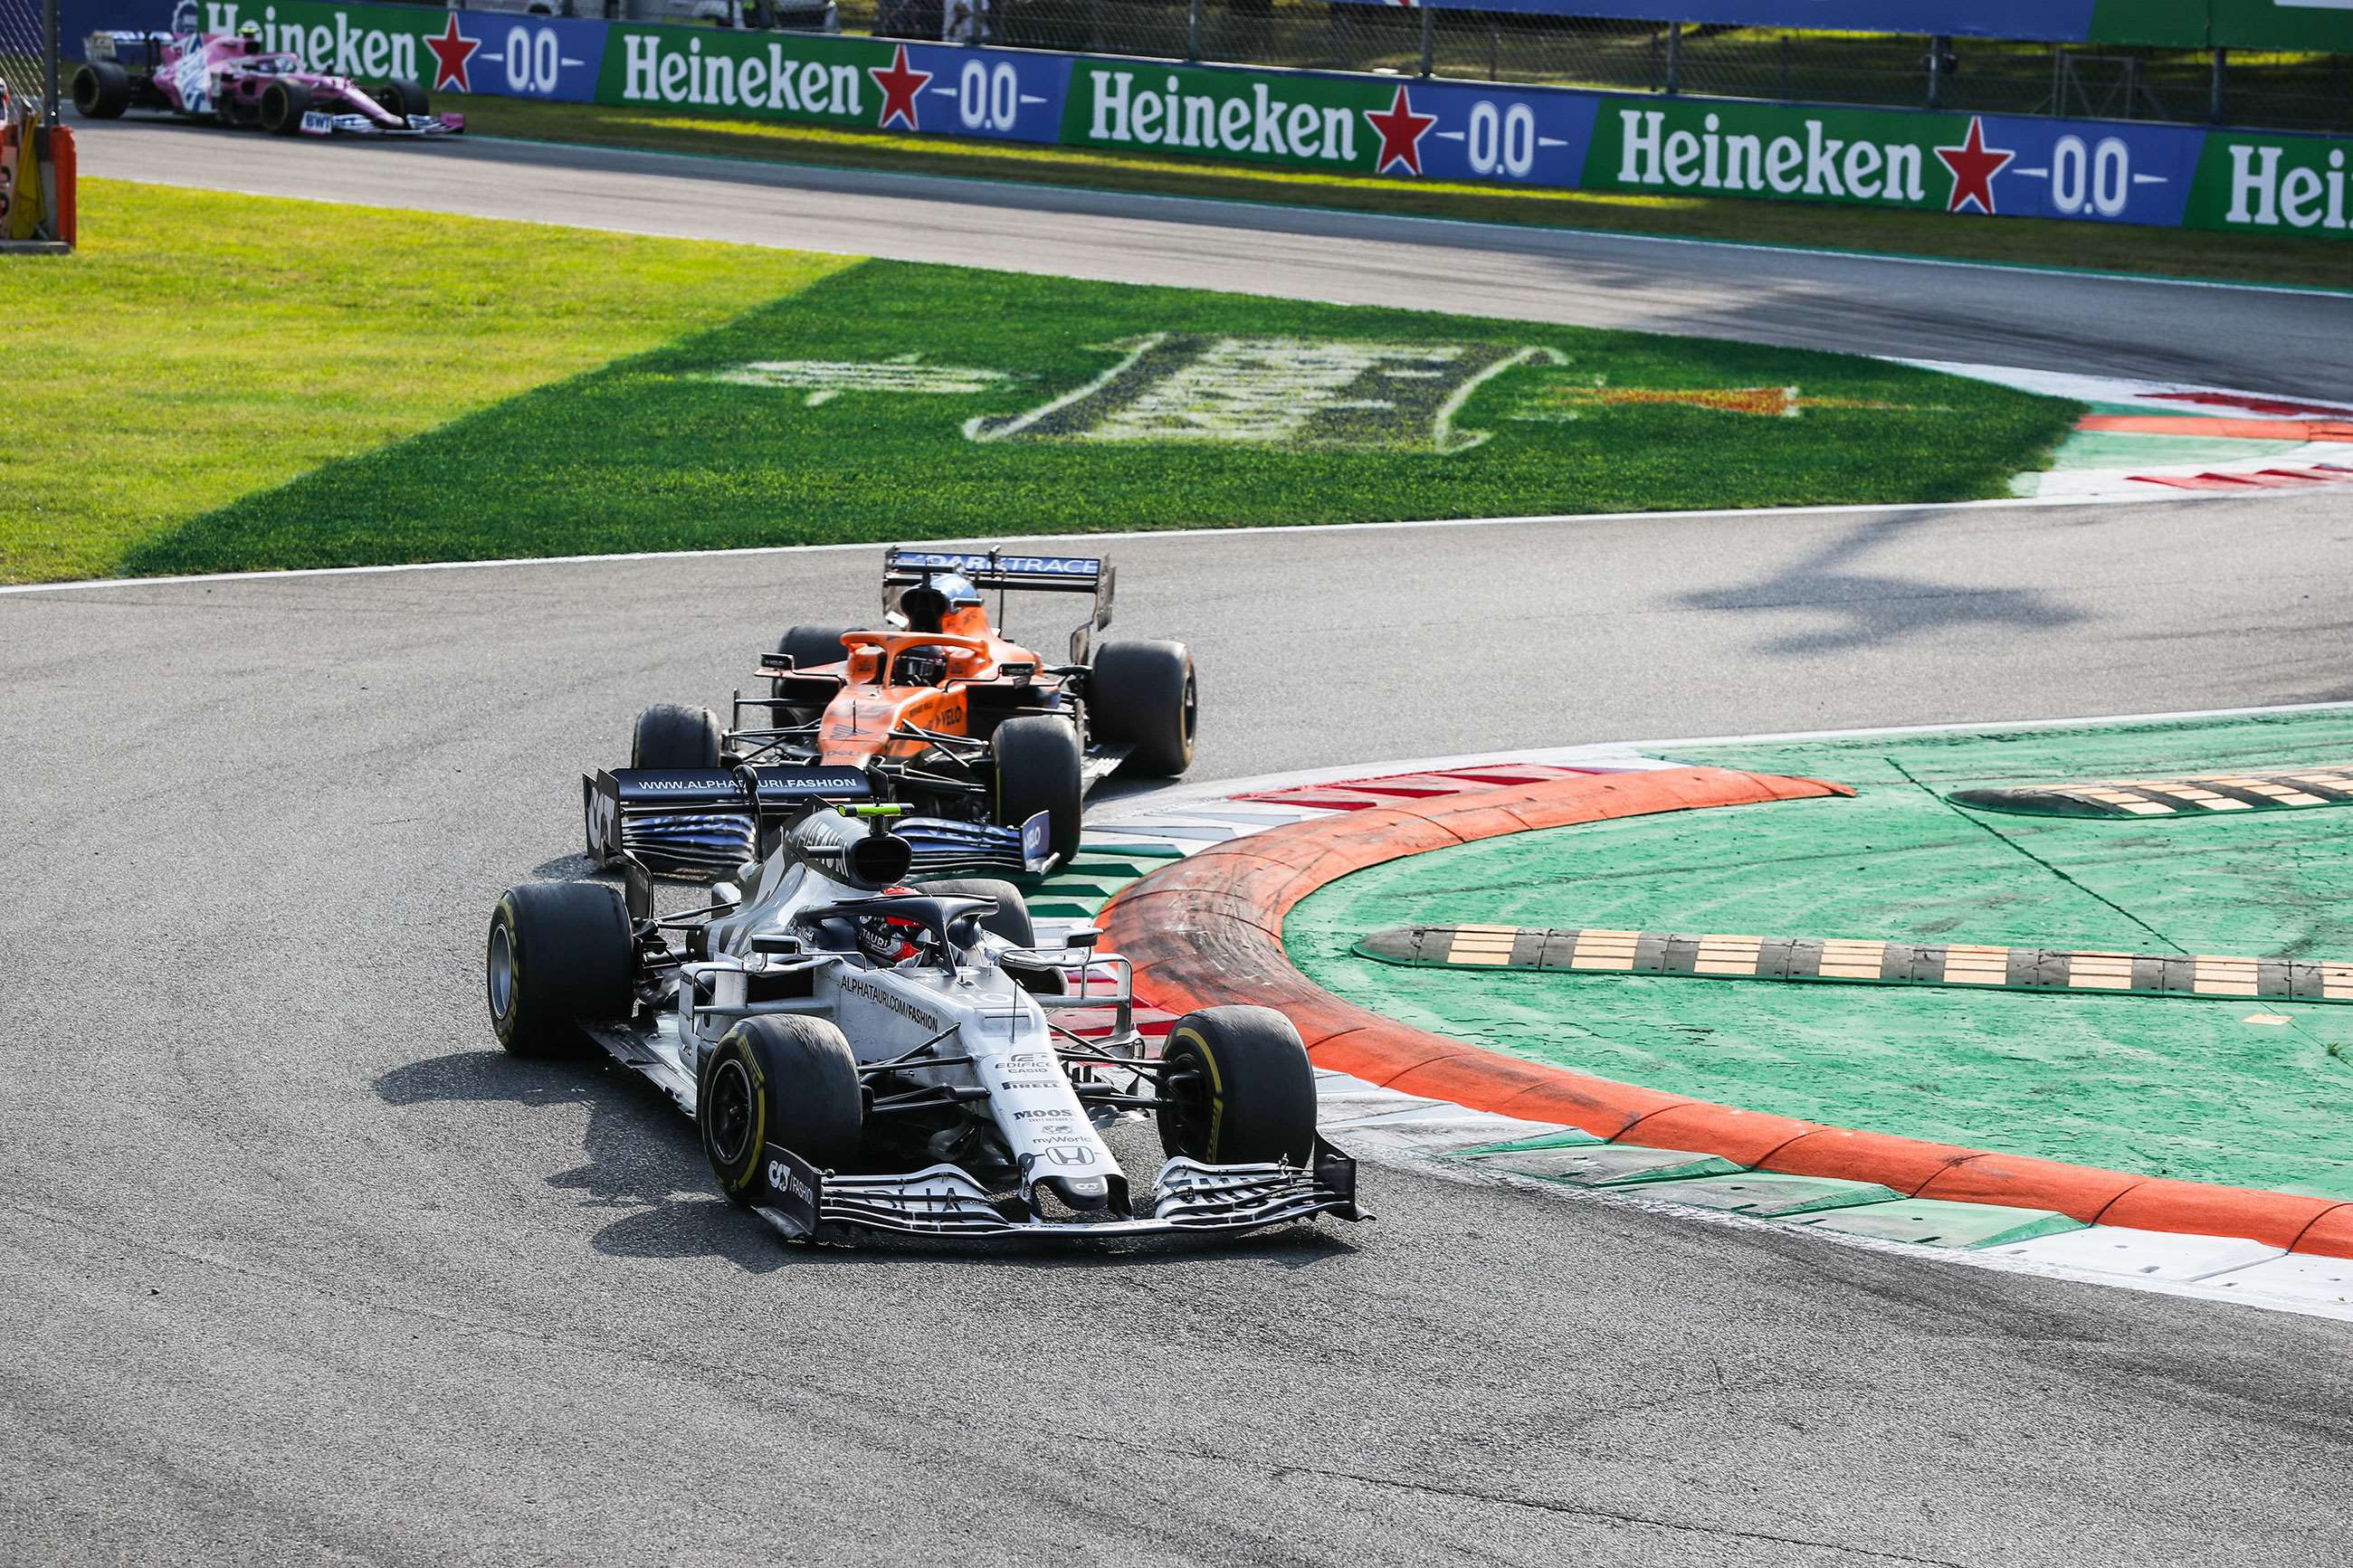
pixel 1875 609
pixel 643 1157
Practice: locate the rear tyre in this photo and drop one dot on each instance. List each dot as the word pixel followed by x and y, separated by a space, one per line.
pixel 671 736
pixel 401 98
pixel 102 90
pixel 1239 1090
pixel 1143 693
pixel 559 954
pixel 283 104
pixel 1038 770
pixel 777 1079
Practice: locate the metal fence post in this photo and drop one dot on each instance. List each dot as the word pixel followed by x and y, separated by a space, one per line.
pixel 1936 48
pixel 2215 89
pixel 1193 32
pixel 1426 42
pixel 49 63
pixel 1674 57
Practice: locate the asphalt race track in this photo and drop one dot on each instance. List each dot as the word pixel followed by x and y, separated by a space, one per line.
pixel 302 1267
pixel 2281 341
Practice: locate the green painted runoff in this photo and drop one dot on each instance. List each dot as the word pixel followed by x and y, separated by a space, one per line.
pixel 2201 1089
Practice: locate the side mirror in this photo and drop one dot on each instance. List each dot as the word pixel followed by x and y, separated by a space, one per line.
pixel 1086 936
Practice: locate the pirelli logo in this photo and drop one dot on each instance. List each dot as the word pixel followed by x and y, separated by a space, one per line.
pixel 1834 959
pixel 2189 796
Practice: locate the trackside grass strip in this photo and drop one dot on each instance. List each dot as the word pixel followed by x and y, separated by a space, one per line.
pixel 202 346
pixel 2249 1091
pixel 895 401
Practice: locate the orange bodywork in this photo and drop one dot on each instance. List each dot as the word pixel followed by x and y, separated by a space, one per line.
pixel 859 723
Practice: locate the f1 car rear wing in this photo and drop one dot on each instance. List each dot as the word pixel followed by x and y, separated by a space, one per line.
pixel 903 568
pixel 710 819
pixel 129 49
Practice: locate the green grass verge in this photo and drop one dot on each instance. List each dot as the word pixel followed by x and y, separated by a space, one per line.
pixel 2037 242
pixel 2157 1086
pixel 202 346
pixel 661 452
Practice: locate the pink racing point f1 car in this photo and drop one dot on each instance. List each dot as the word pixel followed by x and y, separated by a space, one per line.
pixel 233 78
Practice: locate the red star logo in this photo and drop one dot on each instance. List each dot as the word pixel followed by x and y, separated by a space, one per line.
pixel 899 85
pixel 1401 132
pixel 1973 164
pixel 451 50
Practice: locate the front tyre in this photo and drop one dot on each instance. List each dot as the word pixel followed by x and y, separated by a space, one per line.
pixel 1038 770
pixel 671 736
pixel 283 104
pixel 1143 694
pixel 559 954
pixel 777 1079
pixel 1011 917
pixel 400 98
pixel 807 647
pixel 1237 1090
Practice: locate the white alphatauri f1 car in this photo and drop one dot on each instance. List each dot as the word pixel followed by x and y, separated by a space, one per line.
pixel 863 1055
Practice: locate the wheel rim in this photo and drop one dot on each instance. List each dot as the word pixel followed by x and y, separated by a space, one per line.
pixel 1185 1103
pixel 730 1111
pixel 502 972
pixel 1192 706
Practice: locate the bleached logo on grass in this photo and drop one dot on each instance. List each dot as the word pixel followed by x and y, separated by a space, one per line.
pixel 1273 392
pixel 827 379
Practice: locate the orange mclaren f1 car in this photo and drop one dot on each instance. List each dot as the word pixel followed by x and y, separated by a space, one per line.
pixel 988 749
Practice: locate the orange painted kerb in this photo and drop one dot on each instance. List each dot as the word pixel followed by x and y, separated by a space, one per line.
pixel 1208 930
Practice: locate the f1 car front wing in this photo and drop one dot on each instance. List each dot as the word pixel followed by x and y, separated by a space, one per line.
pixel 944 1200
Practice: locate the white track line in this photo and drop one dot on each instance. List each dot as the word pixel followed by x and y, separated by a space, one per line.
pixel 1907 508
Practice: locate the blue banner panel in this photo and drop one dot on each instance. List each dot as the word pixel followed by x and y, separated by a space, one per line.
pixel 2104 171
pixel 1003 95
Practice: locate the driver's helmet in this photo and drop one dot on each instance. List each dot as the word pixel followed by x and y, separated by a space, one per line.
pixel 249 33
pixel 927 604
pixel 890 938
pixel 924 666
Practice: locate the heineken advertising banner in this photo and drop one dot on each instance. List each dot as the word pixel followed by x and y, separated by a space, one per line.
pixel 1400 128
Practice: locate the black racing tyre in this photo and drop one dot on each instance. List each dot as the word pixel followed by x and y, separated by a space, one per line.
pixel 283 104
pixel 1038 770
pixel 1143 693
pixel 807 647
pixel 1011 920
pixel 671 736
pixel 559 953
pixel 1238 1090
pixel 102 90
pixel 777 1079
pixel 402 98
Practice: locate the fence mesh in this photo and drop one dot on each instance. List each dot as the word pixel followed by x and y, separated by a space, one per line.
pixel 2284 91
pixel 23 52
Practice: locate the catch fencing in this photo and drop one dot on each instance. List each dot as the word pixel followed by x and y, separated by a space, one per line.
pixel 29 61
pixel 2176 75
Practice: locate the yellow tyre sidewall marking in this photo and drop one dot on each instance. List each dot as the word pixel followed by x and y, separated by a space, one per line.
pixel 1217 1090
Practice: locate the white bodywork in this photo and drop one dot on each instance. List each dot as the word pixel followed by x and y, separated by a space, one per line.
pixel 972 1010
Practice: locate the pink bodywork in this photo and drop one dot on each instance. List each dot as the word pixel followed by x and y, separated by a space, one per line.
pixel 193 72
